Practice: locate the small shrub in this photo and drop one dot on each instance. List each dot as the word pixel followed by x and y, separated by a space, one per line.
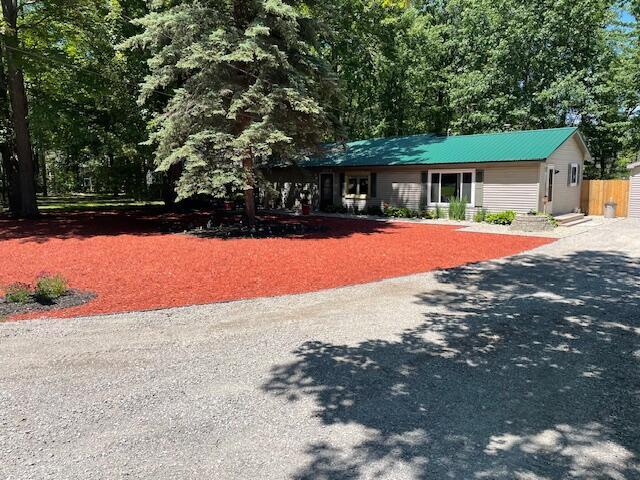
pixel 373 210
pixel 428 214
pixel 50 287
pixel 502 218
pixel 480 215
pixel 401 212
pixel 18 293
pixel 439 213
pixel 457 209
pixel 330 209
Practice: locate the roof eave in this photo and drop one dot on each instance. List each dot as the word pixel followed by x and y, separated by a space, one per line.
pixel 426 164
pixel 633 165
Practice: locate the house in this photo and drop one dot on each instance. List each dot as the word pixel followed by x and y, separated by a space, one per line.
pixel 528 170
pixel 634 190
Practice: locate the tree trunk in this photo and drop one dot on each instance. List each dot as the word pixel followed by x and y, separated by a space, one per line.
pixel 171 177
pixel 9 163
pixel 10 169
pixel 43 173
pixel 19 109
pixel 249 198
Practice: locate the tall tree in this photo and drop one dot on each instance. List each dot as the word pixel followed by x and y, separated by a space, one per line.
pixel 83 92
pixel 247 86
pixel 392 65
pixel 28 206
pixel 9 163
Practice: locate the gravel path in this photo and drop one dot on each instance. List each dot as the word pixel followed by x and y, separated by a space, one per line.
pixel 524 368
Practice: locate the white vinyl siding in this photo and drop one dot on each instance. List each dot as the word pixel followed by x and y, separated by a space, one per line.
pixel 401 188
pixel 508 186
pixel 566 197
pixel 634 194
pixel 511 187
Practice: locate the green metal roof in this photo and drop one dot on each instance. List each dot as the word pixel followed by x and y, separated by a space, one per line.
pixel 432 149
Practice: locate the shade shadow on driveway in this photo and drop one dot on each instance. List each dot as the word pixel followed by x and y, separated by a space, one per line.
pixel 527 369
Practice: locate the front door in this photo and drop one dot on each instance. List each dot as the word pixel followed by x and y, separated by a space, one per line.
pixel 326 190
pixel 548 208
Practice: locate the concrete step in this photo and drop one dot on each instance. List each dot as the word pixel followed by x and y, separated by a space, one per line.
pixel 575 222
pixel 569 218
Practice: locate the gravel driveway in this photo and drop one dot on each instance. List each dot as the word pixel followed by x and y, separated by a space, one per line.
pixel 524 368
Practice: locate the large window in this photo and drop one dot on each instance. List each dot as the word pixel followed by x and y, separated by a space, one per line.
pixel 357 186
pixel 447 184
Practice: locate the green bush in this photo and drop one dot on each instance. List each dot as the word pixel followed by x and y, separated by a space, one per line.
pixel 502 218
pixel 50 287
pixel 335 209
pixel 480 215
pixel 373 210
pixel 457 209
pixel 439 212
pixel 17 293
pixel 401 212
pixel 428 214
pixel 330 209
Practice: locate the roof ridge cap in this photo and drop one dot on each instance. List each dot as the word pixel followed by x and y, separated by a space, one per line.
pixel 513 131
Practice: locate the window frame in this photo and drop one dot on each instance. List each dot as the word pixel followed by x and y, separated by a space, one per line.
pixel 358 195
pixel 460 171
pixel 572 166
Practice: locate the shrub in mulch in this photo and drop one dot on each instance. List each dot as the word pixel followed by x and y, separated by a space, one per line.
pixel 49 292
pixel 261 229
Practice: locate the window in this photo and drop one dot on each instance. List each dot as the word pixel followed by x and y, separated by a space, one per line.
pixel 357 186
pixel 447 184
pixel 573 174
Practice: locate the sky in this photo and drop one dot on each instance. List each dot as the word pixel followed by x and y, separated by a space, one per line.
pixel 625 16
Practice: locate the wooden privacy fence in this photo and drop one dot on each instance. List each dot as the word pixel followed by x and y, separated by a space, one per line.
pixel 595 193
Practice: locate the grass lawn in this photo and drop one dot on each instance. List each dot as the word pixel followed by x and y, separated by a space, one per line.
pixel 90 201
pixel 132 259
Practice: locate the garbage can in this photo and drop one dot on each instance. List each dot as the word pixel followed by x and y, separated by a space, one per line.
pixel 610 209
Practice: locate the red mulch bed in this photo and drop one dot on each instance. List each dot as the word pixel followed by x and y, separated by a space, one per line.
pixel 133 261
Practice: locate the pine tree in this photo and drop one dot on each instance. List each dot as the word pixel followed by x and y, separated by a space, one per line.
pixel 247 89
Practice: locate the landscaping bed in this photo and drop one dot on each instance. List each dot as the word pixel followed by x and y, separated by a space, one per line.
pixel 133 260
pixel 266 228
pixel 72 298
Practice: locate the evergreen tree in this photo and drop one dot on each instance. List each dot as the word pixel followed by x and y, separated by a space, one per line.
pixel 247 88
